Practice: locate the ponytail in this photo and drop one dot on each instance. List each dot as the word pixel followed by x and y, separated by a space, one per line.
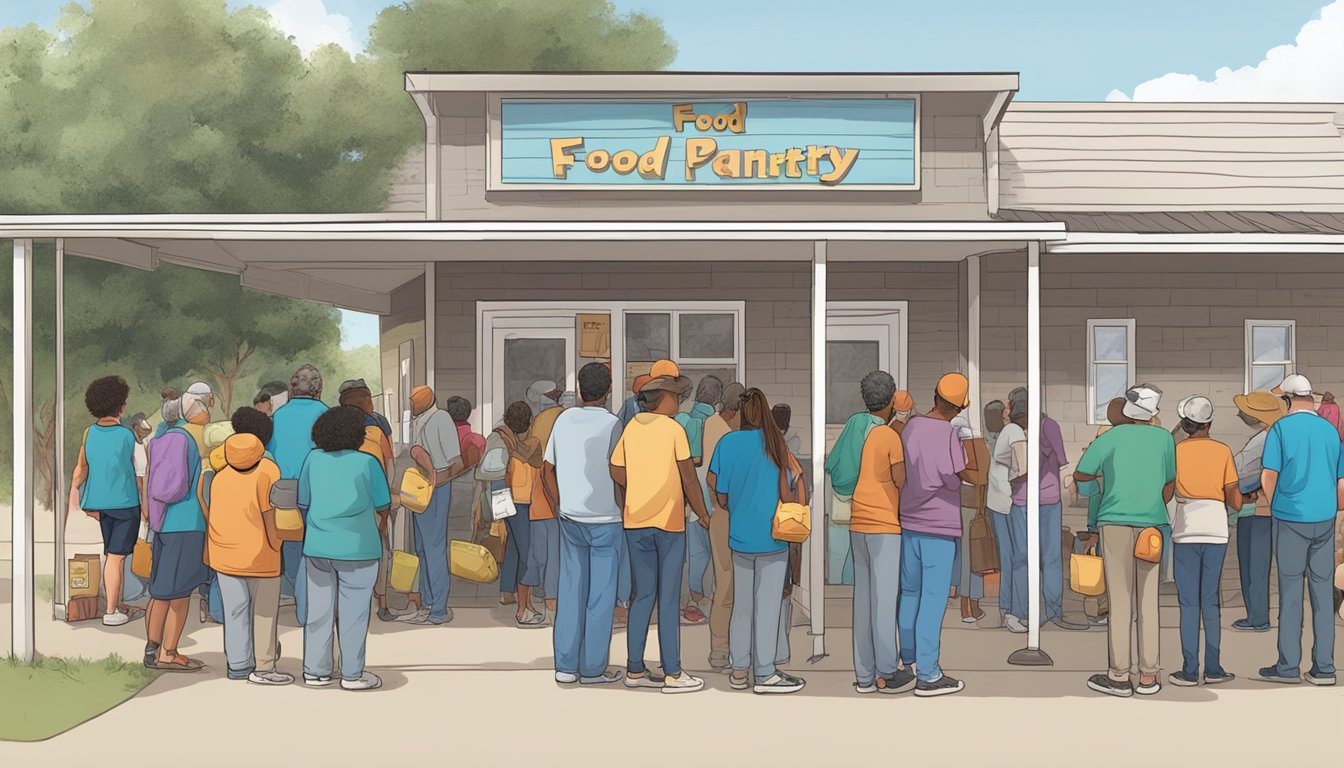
pixel 756 415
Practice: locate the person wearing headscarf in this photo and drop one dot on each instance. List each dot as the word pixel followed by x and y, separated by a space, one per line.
pixel 542 395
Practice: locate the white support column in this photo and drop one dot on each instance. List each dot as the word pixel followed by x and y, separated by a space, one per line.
pixel 973 342
pixel 430 330
pixel 1032 655
pixel 23 600
pixel 816 572
pixel 60 574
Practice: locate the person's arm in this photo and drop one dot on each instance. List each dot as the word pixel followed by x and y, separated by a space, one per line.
pixel 1019 461
pixel 712 480
pixel 799 487
pixel 421 458
pixel 200 495
pixel 690 488
pixel 1232 496
pixel 144 500
pixel 550 484
pixel 972 464
pixel 898 474
pixel 1339 495
pixel 382 495
pixel 1269 478
pixel 1169 492
pixel 77 480
pixel 618 476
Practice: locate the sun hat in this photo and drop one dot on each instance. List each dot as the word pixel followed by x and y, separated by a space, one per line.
pixel 1196 408
pixel 666 377
pixel 639 382
pixel 1261 406
pixel 1296 385
pixel 955 389
pixel 1141 402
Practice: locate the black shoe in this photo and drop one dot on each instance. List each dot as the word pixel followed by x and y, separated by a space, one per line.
pixel 1271 675
pixel 940 687
pixel 1215 678
pixel 901 682
pixel 1243 625
pixel 151 655
pixel 1104 684
pixel 1183 680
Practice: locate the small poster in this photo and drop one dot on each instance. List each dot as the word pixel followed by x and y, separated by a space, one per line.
pixel 595 335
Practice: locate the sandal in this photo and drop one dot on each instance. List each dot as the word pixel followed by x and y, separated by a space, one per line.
pixel 179 663
pixel 530 620
pixel 132 612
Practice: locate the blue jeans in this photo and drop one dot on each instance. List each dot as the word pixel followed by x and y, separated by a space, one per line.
pixel 697 556
pixel 516 551
pixel 1007 583
pixel 624 585
pixel 1255 555
pixel 589 553
pixel 655 564
pixel 1052 560
pixel 214 602
pixel 1199 569
pixel 839 558
pixel 292 580
pixel 543 557
pixel 340 596
pixel 1306 553
pixel 877 573
pixel 431 546
pixel 926 577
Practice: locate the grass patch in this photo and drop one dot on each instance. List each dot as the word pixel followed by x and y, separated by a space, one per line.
pixel 45 586
pixel 51 696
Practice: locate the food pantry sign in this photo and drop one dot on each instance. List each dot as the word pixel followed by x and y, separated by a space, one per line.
pixel 776 143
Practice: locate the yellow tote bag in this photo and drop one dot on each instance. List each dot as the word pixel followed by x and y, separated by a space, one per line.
pixel 142 557
pixel 1086 576
pixel 415 490
pixel 472 562
pixel 793 521
pixel 405 571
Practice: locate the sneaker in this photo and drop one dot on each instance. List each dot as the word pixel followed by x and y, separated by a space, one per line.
pixel 566 678
pixel 606 678
pixel 719 662
pixel 1104 684
pixel 1271 675
pixel 1014 624
pixel 415 617
pixel 270 678
pixel 691 616
pixel 1183 679
pixel 428 620
pixel 365 682
pixel 645 680
pixel 317 682
pixel 1242 625
pixel 779 682
pixel 901 682
pixel 1148 689
pixel 739 683
pixel 1069 625
pixel 115 619
pixel 683 683
pixel 386 615
pixel 865 688
pixel 1218 677
pixel 940 687
pixel 1316 678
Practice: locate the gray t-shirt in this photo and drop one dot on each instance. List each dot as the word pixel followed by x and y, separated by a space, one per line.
pixel 580 448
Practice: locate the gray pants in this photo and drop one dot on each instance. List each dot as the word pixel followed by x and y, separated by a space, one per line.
pixel 1306 552
pixel 753 633
pixel 877 578
pixel 251 622
pixel 340 593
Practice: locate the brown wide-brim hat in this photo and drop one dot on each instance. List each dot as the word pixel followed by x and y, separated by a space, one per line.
pixel 1261 406
pixel 679 385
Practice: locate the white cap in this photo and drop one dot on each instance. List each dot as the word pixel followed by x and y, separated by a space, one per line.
pixel 200 388
pixel 1141 402
pixel 1196 408
pixel 1296 384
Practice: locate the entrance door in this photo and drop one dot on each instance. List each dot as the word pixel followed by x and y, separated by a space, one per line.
pixel 527 350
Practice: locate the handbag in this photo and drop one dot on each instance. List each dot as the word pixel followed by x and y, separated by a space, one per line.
pixel 285 499
pixel 501 504
pixel 405 571
pixel 1086 575
pixel 842 508
pixel 984 549
pixel 1148 545
pixel 142 557
pixel 415 490
pixel 472 562
pixel 792 522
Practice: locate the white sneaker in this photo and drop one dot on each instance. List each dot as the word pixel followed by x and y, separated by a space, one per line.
pixel 317 682
pixel 115 619
pixel 270 678
pixel 566 678
pixel 366 682
pixel 416 617
pixel 1014 624
pixel 683 683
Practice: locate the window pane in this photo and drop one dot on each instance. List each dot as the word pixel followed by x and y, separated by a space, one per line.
pixel 1267 376
pixel 648 337
pixel 725 374
pixel 1110 381
pixel 1110 342
pixel 706 336
pixel 527 361
pixel 1269 343
pixel 847 362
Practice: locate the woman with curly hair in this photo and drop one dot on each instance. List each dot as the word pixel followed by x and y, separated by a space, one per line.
pixel 341 490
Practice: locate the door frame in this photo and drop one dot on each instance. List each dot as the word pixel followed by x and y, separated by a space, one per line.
pixel 535 328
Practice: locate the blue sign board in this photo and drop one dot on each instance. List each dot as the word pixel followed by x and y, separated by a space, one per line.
pixel 843 143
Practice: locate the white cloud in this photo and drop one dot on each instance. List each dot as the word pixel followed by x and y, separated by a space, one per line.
pixel 1310 69
pixel 311 26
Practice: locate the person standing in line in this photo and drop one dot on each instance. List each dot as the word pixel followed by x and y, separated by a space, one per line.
pixel 652 465
pixel 707 394
pixel 543 557
pixel 721 607
pixel 751 472
pixel 341 490
pixel 435 449
pixel 624 585
pixel 875 539
pixel 378 445
pixel 577 481
pixel 134 589
pixel 519 567
pixel 105 485
pixel 270 397
pixel 471 445
pixel 842 467
pixel 1010 458
pixel 999 503
pixel 1136 463
pixel 631 405
pixel 937 463
pixel 1206 489
pixel 1303 477
pixel 783 415
pixel 291 441
pixel 1255 524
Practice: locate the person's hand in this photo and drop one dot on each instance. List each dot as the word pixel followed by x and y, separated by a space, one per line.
pixel 704 522
pixel 91 514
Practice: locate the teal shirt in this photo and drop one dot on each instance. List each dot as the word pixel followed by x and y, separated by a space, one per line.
pixel 185 516
pixel 1135 462
pixel 292 434
pixel 843 463
pixel 339 492
pixel 1304 449
pixel 109 452
pixel 693 421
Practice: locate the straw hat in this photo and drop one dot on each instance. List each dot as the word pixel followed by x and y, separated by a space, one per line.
pixel 1261 406
pixel 667 377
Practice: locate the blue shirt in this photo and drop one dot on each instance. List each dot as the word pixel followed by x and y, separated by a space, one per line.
pixel 110 454
pixel 339 492
pixel 629 409
pixel 185 515
pixel 693 422
pixel 1304 449
pixel 744 473
pixel 292 437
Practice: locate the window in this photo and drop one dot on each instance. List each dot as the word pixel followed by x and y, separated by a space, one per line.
pixel 701 342
pixel 1271 352
pixel 1110 364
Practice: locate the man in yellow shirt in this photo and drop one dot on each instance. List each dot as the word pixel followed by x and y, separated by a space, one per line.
pixel 656 478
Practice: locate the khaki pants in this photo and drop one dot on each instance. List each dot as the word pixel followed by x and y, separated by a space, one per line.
pixel 251 625
pixel 721 611
pixel 1131 588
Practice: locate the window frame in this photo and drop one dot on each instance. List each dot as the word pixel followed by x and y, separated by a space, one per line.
pixel 1289 365
pixel 1091 375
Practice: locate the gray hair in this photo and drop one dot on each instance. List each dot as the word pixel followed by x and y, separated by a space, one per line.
pixel 709 390
pixel 306 382
pixel 191 404
pixel 877 388
pixel 172 410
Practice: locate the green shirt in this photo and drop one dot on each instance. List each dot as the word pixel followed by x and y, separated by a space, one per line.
pixel 1135 462
pixel 340 492
pixel 843 463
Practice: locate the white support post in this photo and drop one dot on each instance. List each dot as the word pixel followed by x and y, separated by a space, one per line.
pixel 59 503
pixel 23 600
pixel 973 342
pixel 1032 655
pixel 816 572
pixel 430 330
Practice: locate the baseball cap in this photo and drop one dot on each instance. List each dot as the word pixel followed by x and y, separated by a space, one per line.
pixel 1196 408
pixel 350 384
pixel 1296 385
pixel 665 368
pixel 1141 401
pixel 955 389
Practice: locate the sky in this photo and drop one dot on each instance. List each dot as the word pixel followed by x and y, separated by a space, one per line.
pixel 1065 50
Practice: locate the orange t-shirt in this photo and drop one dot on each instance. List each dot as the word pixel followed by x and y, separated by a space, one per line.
pixel 238 542
pixel 541 508
pixel 1203 468
pixel 877 501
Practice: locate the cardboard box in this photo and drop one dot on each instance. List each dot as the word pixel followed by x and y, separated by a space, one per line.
pixel 595 335
pixel 85 576
pixel 83 609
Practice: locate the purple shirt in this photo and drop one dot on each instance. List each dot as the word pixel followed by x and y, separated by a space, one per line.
pixel 931 498
pixel 1053 459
